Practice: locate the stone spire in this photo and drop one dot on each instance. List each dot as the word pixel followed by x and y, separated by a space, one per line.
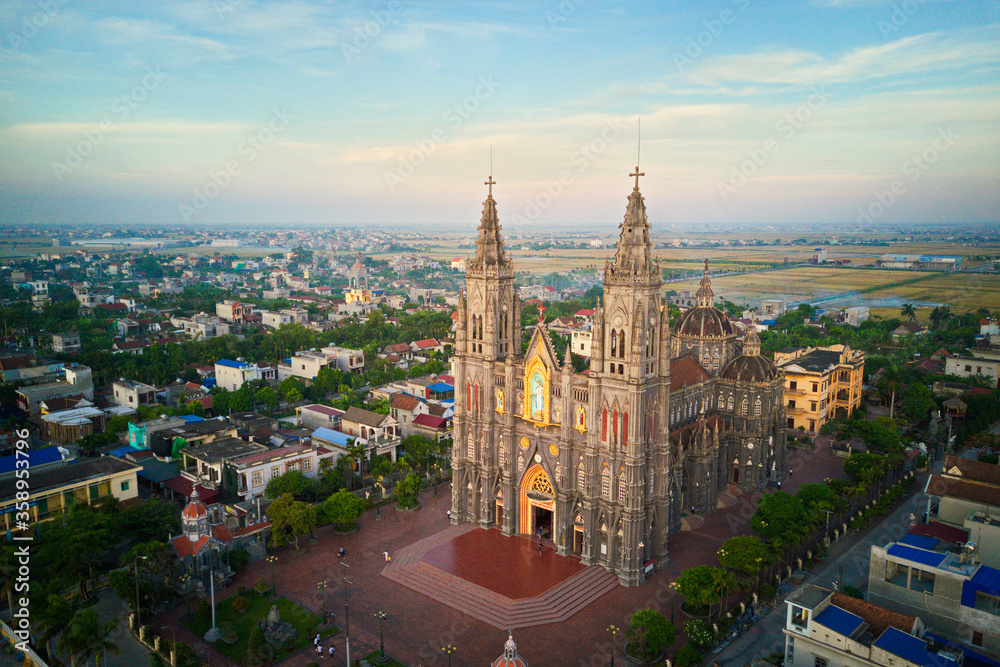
pixel 489 245
pixel 705 295
pixel 635 249
pixel 509 647
pixel 751 342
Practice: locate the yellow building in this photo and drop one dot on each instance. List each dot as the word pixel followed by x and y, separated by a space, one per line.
pixel 54 490
pixel 820 384
pixel 358 291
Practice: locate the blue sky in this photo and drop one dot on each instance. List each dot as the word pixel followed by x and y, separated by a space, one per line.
pixel 235 111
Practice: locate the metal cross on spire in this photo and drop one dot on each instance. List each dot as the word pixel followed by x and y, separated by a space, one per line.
pixel 638 146
pixel 489 181
pixel 637 174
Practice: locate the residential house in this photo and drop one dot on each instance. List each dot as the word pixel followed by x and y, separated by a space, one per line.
pixel 908 329
pixel 232 375
pixel 820 384
pixel 974 366
pixel 66 342
pixel 404 408
pixel 380 433
pixel 319 416
pixel 963 487
pixel 274 320
pixel 203 464
pixel 233 311
pixel 133 394
pixel 249 475
pixel 856 315
pixel 78 381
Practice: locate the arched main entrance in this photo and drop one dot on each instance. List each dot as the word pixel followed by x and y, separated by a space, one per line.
pixel 537 504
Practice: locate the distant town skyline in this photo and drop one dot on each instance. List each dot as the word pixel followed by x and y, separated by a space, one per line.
pixel 299 112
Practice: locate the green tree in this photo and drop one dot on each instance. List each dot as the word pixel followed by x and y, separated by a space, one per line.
pixel 697 586
pixel 220 401
pixel 743 553
pixel 649 634
pixel 292 482
pixel 242 399
pixel 294 396
pixel 88 636
pixel 290 518
pixel 407 490
pixel 342 509
pixel 780 518
pixel 269 397
pixel 909 312
pixel 195 408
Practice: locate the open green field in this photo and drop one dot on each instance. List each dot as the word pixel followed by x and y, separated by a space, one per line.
pixel 843 287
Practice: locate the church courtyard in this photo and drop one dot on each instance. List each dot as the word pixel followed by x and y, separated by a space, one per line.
pixel 417 626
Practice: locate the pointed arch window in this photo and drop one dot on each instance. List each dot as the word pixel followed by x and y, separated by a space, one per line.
pixel 614 343
pixel 468 396
pixel 581 478
pixel 604 425
pixel 470 448
pixel 722 400
pixel 614 422
pixel 622 488
pixel 621 343
pixel 624 430
pixel 502 455
pixel 745 406
pixel 606 483
pixel 756 407
pixel 730 403
pixel 482 397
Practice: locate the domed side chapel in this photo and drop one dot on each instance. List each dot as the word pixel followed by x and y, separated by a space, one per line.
pixel 604 462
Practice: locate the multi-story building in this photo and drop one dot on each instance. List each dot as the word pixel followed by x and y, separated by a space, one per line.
pixel 319 416
pixel 603 462
pixel 232 375
pixel 66 342
pixel 65 426
pixel 821 384
pixel 973 367
pixel 201 326
pixel 961 489
pixel 248 475
pixel 275 320
pixel 58 489
pixel 855 315
pixel 203 464
pixel 233 311
pixel 580 343
pixel 133 394
pixel 953 592
pixel 79 381
pixel 828 629
pixel 307 363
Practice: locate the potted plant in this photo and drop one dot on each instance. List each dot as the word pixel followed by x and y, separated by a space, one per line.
pixel 240 604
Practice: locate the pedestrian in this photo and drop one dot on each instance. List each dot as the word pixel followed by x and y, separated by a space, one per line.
pixel 319 651
pixel 331 651
pixel 790 471
pixel 387 556
pixel 692 510
pixel 316 641
pixel 779 485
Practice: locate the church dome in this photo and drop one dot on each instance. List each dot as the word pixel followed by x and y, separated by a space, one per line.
pixel 195 509
pixel 510 658
pixel 750 366
pixel 357 265
pixel 705 322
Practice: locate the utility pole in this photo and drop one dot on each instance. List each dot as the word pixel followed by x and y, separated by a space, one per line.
pixel 347 616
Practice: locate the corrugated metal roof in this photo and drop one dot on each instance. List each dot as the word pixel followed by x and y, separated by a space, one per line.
pixel 911 648
pixel 839 620
pixel 920 541
pixel 930 558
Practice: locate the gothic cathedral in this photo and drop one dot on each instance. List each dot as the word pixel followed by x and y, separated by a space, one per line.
pixel 605 462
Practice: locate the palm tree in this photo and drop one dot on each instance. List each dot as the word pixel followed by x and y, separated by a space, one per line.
pixel 87 636
pixel 723 582
pixel 892 377
pixel 909 312
pixel 55 614
pixel 940 315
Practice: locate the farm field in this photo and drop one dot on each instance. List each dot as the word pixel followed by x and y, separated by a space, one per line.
pixel 840 288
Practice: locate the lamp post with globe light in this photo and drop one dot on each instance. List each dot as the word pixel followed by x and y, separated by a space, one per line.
pixel 382 657
pixel 613 629
pixel 449 649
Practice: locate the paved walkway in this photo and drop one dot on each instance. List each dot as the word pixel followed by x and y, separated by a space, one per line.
pixel 417 627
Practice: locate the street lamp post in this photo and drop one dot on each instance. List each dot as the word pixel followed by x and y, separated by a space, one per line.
pixel 448 650
pixel 347 614
pixel 138 609
pixel 378 499
pixel 613 629
pixel 322 586
pixel 380 615
pixel 272 560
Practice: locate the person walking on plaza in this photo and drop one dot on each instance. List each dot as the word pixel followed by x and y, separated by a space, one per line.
pixel 387 556
pixel 319 650
pixel 316 641
pixel 331 651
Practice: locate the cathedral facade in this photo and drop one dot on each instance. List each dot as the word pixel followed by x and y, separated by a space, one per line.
pixel 604 462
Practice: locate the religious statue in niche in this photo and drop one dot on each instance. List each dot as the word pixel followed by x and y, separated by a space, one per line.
pixel 537 396
pixel 500 401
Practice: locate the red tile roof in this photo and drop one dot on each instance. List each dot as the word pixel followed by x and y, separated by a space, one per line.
pixel 975 471
pixel 941 531
pixel 401 401
pixel 686 371
pixel 430 421
pixel 976 492
pixel 426 343
pixel 879 619
pixel 324 410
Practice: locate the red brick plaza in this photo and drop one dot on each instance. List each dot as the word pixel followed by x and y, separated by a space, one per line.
pixel 462 559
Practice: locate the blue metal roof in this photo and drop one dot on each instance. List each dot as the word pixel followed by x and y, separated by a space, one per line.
pixel 970 657
pixel 920 541
pixel 328 434
pixel 911 648
pixel 36 457
pixel 931 558
pixel 190 419
pixel 987 579
pixel 441 387
pixel 127 449
pixel 839 620
pixel 231 364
